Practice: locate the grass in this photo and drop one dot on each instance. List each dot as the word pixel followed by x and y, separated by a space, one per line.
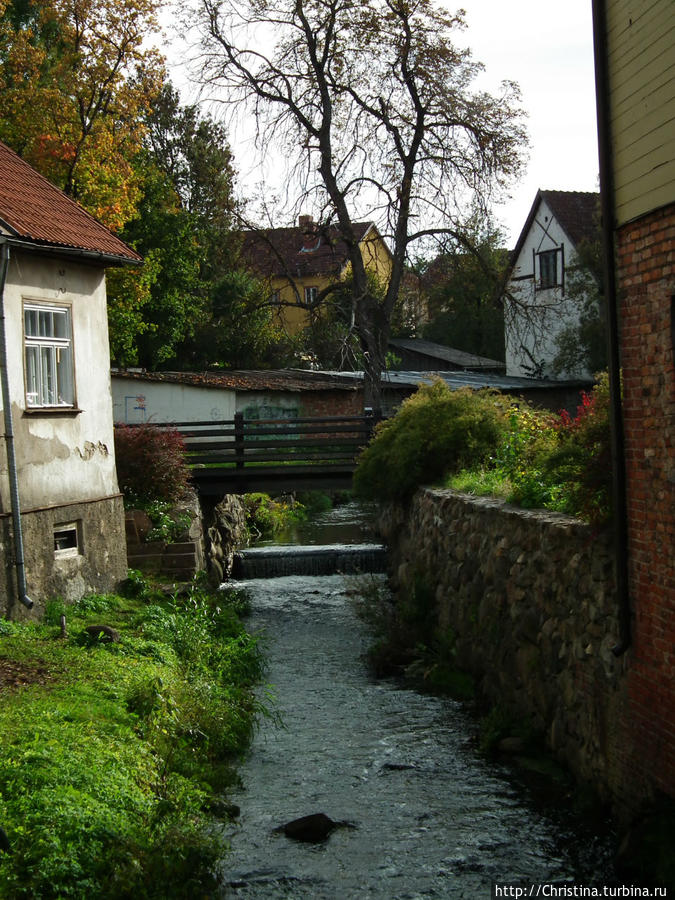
pixel 113 753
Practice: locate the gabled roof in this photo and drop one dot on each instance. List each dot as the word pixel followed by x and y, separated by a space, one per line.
pixel 33 211
pixel 576 212
pixel 301 251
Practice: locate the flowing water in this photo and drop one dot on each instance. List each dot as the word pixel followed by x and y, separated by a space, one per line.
pixel 431 817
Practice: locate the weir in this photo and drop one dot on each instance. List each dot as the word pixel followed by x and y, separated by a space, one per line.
pixel 328 559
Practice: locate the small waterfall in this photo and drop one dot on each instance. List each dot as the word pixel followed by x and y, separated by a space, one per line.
pixel 312 559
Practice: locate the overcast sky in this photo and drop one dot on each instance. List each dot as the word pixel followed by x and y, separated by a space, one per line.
pixel 548 50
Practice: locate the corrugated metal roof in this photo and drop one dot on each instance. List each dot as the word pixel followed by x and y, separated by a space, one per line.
pixel 32 209
pixel 475 380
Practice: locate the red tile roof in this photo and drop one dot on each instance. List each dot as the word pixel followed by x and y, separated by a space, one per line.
pixel 32 209
pixel 299 252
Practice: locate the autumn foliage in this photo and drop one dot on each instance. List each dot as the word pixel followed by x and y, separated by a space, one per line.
pixel 151 463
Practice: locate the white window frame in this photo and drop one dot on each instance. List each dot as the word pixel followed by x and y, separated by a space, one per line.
pixel 311 293
pixel 49 363
pixel 67 540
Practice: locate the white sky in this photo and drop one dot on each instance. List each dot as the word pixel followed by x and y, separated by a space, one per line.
pixel 548 50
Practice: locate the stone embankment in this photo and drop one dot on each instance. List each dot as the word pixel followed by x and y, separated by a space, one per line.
pixel 208 542
pixel 529 598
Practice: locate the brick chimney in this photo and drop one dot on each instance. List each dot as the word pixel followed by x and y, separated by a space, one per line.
pixel 310 233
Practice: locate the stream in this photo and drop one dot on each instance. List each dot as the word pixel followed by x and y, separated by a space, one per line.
pixel 428 815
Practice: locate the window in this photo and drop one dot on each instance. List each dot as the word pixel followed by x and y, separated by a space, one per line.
pixel 48 355
pixel 548 269
pixel 67 539
pixel 310 295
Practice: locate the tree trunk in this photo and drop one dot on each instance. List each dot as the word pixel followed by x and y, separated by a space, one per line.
pixel 373 329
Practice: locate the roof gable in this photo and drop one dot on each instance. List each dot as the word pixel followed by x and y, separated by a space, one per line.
pixel 575 211
pixel 32 209
pixel 301 251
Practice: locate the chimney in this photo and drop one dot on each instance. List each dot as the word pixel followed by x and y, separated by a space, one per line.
pixel 310 233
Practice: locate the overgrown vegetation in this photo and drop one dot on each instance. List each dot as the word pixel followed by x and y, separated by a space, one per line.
pixel 478 443
pixel 435 431
pixel 267 516
pixel 406 638
pixel 114 754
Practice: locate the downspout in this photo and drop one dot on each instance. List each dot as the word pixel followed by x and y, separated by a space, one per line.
pixel 9 439
pixel 608 211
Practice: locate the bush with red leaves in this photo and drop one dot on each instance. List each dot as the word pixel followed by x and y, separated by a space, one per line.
pixel 151 463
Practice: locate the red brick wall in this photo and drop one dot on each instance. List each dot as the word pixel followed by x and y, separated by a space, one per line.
pixel 331 403
pixel 646 290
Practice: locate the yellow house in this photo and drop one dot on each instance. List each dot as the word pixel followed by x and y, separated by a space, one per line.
pixel 299 263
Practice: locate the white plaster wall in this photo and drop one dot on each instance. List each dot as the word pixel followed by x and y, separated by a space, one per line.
pixel 137 401
pixel 535 319
pixel 62 457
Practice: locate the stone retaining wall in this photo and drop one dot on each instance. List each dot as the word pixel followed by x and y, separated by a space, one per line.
pixel 180 560
pixel 529 597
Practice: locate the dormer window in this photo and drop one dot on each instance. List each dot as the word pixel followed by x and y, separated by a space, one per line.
pixel 48 354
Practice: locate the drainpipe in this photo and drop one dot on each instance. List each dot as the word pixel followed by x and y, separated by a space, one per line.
pixel 613 345
pixel 9 439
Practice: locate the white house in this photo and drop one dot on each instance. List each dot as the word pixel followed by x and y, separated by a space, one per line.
pixel 61 515
pixel 536 305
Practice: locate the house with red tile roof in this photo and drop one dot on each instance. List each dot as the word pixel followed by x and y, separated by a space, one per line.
pixel 61 515
pixel 537 307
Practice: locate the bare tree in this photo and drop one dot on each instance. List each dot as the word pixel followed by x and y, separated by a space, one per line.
pixel 375 107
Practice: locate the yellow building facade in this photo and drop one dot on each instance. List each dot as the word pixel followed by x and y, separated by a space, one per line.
pixel 299 263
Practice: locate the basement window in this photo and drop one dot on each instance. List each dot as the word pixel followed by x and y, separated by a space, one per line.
pixel 67 539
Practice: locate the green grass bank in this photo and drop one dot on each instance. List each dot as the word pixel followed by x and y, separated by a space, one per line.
pixel 119 745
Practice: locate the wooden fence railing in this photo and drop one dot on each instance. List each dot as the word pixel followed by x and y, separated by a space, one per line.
pixel 241 455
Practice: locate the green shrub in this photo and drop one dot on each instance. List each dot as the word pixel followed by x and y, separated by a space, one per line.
pixel 266 517
pixel 435 432
pixel 562 463
pixel 151 463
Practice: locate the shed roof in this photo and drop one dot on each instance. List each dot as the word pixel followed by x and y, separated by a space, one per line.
pixel 251 380
pixel 33 210
pixel 458 358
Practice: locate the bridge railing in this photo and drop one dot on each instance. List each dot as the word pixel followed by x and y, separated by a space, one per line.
pixel 260 454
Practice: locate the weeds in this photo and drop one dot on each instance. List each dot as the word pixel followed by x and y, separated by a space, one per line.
pixel 406 638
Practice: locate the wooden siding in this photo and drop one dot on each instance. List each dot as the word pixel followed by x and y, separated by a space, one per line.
pixel 641 38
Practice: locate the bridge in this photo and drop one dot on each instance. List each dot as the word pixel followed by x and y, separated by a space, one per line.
pixel 240 456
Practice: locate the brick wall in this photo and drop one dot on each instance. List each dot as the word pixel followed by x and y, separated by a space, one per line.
pixel 332 403
pixel 646 279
